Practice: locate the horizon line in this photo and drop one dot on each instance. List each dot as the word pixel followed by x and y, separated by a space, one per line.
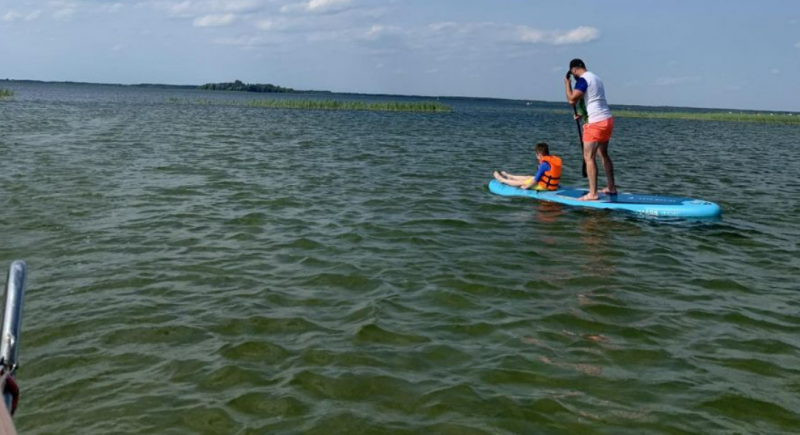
pixel 188 86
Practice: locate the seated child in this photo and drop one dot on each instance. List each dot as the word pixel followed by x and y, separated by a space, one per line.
pixel 547 176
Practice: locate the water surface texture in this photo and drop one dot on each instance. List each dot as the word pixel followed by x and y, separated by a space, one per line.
pixel 217 269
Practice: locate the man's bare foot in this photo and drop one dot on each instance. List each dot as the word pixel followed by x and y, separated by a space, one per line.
pixel 589 197
pixel 608 191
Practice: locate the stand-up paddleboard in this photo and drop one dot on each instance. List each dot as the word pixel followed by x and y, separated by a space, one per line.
pixel 650 205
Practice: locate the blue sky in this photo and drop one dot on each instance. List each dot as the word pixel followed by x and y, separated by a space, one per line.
pixel 710 53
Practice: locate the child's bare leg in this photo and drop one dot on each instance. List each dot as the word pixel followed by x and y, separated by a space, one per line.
pixel 516 182
pixel 517 177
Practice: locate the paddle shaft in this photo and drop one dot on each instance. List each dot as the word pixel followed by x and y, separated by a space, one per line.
pixel 580 138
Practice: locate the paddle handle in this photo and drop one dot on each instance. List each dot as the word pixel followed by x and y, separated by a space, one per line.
pixel 580 138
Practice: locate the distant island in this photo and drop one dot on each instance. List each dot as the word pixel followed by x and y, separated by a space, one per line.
pixel 245 87
pixel 236 86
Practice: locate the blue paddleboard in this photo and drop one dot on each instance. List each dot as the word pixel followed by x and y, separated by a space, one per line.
pixel 650 205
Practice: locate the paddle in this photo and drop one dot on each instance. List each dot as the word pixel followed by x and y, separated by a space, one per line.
pixel 578 123
pixel 580 138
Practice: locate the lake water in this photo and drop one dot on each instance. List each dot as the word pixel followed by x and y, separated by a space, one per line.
pixel 215 269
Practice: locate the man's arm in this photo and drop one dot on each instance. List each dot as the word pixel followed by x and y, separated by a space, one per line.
pixel 573 95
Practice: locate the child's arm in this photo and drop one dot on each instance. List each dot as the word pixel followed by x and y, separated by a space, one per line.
pixel 544 167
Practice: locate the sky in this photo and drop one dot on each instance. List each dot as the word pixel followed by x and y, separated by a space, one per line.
pixel 692 53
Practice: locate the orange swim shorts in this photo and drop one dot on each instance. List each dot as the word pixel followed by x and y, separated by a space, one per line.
pixel 599 131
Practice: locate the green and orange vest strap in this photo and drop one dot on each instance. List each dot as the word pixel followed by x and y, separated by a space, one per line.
pixel 551 178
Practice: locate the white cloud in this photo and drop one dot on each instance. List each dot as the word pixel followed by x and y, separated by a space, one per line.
pixel 438 27
pixel 237 6
pixel 378 31
pixel 249 42
pixel 676 81
pixel 315 5
pixel 63 10
pixel 112 8
pixel 266 25
pixel 181 7
pixel 319 6
pixel 12 15
pixel 282 24
pixel 196 9
pixel 64 14
pixel 581 35
pixel 578 35
pixel 214 20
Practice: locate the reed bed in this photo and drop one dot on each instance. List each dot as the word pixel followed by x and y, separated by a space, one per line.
pixel 753 117
pixel 378 106
pixel 6 93
pixel 382 106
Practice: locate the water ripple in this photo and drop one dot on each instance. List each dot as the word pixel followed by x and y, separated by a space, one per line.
pixel 219 269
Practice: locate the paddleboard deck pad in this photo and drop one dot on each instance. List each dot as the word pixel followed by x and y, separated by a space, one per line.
pixel 650 205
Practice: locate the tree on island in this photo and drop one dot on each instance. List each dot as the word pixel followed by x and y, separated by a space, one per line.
pixel 244 87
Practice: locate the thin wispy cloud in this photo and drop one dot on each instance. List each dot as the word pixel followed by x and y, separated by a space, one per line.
pixel 214 20
pixel 318 6
pixel 194 9
pixel 181 8
pixel 676 81
pixel 64 14
pixel 247 42
pixel 112 8
pixel 579 35
pixel 12 15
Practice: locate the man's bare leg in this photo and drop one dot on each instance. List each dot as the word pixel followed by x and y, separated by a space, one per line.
pixel 589 153
pixel 608 166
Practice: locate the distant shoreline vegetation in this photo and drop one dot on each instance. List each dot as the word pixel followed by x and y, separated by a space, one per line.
pixel 729 116
pixel 377 106
pixel 239 86
pixel 6 93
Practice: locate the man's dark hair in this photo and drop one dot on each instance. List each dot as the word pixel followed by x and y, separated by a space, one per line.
pixel 577 63
pixel 542 148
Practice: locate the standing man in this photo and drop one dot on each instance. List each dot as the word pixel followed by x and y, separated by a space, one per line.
pixel 597 130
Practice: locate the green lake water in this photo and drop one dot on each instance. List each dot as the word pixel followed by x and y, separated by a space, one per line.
pixel 219 269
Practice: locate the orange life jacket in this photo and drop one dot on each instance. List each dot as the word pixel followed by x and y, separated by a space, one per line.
pixel 550 179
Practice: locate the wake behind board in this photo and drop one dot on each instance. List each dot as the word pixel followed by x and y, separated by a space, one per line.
pixel 650 205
